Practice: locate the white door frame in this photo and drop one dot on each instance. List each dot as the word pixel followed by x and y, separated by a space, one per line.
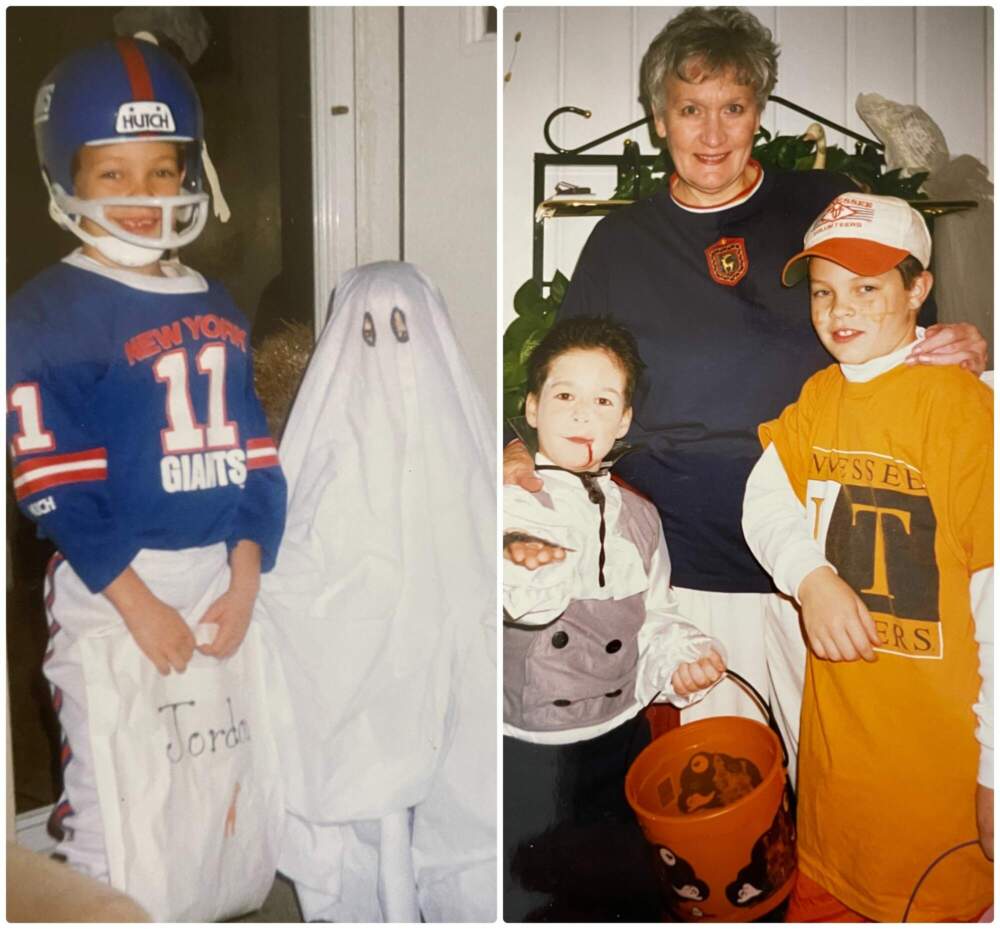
pixel 331 39
pixel 355 142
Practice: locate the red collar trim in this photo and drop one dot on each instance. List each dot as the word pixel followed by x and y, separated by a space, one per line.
pixel 744 194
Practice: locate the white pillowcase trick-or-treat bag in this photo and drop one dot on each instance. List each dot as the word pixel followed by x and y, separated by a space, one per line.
pixel 186 765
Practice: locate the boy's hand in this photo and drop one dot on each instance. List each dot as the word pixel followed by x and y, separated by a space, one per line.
pixel 158 629
pixel 950 344
pixel 529 552
pixel 838 624
pixel 697 675
pixel 232 611
pixel 163 636
pixel 519 468
pixel 984 818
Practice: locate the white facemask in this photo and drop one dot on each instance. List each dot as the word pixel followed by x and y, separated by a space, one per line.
pixel 121 246
pixel 116 250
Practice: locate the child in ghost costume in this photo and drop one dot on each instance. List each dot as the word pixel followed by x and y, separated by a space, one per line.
pixel 381 612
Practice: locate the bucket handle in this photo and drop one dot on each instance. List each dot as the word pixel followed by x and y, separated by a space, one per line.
pixel 772 722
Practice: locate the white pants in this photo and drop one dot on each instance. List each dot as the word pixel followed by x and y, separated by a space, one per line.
pixel 188 580
pixel 79 809
pixel 764 643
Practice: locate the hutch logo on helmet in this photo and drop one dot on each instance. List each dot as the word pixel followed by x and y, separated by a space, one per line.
pixel 144 116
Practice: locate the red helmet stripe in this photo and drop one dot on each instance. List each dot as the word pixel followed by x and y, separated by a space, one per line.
pixel 135 67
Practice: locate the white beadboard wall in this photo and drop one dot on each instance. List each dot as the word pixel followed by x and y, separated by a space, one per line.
pixel 940 58
pixel 450 173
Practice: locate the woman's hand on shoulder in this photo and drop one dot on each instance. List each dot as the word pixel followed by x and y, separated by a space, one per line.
pixel 527 551
pixel 519 468
pixel 951 344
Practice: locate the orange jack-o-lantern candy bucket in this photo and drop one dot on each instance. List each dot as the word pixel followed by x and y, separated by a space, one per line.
pixel 713 802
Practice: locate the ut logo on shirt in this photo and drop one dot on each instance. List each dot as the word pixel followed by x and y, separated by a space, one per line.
pixel 879 533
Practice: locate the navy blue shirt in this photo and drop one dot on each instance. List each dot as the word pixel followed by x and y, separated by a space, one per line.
pixel 726 347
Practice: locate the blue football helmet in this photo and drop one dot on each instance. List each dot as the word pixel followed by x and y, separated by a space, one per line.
pixel 127 90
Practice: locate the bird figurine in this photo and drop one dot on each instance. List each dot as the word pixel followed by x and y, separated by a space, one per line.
pixel 913 141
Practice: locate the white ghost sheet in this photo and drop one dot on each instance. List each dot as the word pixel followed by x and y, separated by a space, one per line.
pixel 382 605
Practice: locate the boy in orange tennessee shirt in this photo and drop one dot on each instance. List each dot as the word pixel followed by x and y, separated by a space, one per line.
pixel 872 507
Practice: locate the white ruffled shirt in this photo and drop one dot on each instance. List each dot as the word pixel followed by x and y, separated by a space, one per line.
pixel 537 597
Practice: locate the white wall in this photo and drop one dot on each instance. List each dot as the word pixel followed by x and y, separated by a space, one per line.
pixel 442 146
pixel 940 58
pixel 450 171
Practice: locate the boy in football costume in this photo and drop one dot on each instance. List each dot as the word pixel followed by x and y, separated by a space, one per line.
pixel 139 446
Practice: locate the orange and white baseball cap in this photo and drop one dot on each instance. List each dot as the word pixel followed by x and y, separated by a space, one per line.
pixel 865 233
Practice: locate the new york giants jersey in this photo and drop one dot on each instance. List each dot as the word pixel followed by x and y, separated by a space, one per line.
pixel 132 417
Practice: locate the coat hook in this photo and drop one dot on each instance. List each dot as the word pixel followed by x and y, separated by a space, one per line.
pixel 648 119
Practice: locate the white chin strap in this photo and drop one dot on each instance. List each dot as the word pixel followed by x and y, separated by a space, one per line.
pixel 122 253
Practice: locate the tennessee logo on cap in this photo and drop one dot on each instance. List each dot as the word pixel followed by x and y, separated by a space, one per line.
pixel 727 261
pixel 867 234
pixel 842 209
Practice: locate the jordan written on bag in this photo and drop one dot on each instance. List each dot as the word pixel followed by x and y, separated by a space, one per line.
pixel 188 778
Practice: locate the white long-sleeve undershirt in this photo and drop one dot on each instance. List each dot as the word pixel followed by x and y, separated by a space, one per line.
pixel 777 531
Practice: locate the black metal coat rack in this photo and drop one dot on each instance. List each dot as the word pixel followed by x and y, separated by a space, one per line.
pixel 632 158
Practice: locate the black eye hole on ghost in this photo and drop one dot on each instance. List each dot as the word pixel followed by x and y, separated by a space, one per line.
pixel 398 322
pixel 368 329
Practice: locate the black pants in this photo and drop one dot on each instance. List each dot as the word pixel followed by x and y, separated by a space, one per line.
pixel 573 851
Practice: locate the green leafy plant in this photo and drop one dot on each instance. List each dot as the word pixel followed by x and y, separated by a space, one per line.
pixel 637 180
pixel 866 167
pixel 535 314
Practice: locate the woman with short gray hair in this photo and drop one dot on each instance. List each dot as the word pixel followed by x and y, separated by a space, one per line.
pixel 694 271
pixel 714 40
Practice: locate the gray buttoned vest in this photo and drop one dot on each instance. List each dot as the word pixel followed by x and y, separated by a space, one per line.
pixel 580 669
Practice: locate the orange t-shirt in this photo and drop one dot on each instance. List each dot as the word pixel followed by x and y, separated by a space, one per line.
pixel 897 478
